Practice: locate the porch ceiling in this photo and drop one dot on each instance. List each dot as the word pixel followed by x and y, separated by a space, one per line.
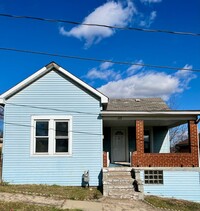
pixel 159 118
pixel 148 123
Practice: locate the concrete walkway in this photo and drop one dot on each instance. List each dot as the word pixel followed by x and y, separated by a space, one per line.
pixel 105 204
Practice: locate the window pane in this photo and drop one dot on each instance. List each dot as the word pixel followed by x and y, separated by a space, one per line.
pixel 41 145
pixel 119 133
pixel 61 145
pixel 42 128
pixel 61 128
pixel 146 141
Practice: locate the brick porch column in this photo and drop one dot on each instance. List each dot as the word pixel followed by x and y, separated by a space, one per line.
pixel 105 162
pixel 137 157
pixel 193 140
pixel 140 136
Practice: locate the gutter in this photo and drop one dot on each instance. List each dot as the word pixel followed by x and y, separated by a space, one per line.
pixel 150 113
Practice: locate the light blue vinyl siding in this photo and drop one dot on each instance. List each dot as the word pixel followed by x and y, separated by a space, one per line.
pixel 180 184
pixel 52 95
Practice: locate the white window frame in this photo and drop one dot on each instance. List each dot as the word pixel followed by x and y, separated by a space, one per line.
pixel 52 135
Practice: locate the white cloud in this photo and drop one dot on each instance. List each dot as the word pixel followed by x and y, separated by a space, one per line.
pixel 111 13
pixel 185 72
pixel 148 84
pixel 134 68
pixel 103 72
pixel 151 1
pixel 98 74
pixel 185 75
pixel 105 65
pixel 94 73
pixel 152 15
pixel 148 20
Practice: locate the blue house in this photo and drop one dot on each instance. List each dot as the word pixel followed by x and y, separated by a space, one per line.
pixel 53 130
pixel 56 127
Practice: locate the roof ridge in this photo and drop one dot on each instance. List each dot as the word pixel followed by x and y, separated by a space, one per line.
pixel 52 64
pixel 136 98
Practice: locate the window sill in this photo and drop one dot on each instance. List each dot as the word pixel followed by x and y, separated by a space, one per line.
pixel 52 155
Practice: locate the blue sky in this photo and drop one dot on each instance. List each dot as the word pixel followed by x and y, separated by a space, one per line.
pixel 133 46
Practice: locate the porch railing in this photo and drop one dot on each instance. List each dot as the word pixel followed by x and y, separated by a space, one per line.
pixel 165 160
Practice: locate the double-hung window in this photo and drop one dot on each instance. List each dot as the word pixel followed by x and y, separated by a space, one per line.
pixel 51 135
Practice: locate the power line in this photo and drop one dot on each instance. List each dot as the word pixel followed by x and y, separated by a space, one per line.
pixel 97 60
pixel 99 25
pixel 53 109
pixel 73 131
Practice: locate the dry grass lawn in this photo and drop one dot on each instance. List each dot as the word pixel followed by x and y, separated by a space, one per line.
pixel 173 204
pixel 61 192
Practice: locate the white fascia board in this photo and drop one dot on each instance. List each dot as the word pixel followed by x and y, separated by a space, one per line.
pixel 148 113
pixel 104 99
pixel 2 101
pixel 41 72
pixel 22 84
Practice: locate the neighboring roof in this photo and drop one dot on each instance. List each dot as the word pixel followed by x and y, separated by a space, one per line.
pixel 185 142
pixel 137 104
pixel 42 72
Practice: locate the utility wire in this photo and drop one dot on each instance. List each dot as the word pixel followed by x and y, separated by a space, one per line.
pixel 99 25
pixel 30 126
pixel 53 109
pixel 97 60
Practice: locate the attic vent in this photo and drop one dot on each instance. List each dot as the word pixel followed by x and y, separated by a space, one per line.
pixel 137 100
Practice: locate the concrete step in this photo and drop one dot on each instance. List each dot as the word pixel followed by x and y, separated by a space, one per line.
pixel 117 177
pixel 125 173
pixel 118 181
pixel 113 192
pixel 127 187
pixel 119 169
pixel 136 196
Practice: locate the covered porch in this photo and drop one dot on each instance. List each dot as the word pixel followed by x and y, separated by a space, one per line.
pixel 142 139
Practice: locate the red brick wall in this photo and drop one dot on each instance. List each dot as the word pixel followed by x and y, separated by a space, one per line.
pixel 139 158
pixel 105 159
pixel 164 160
pixel 193 136
pixel 139 136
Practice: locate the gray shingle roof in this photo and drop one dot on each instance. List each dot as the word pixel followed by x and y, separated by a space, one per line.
pixel 137 104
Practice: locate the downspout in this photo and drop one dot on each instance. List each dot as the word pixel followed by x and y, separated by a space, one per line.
pixel 197 122
pixel 1 162
pixel 1 113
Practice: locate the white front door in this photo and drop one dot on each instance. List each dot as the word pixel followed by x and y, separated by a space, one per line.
pixel 118 146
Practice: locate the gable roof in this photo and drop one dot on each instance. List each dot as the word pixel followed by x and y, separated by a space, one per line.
pixel 137 104
pixel 42 72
